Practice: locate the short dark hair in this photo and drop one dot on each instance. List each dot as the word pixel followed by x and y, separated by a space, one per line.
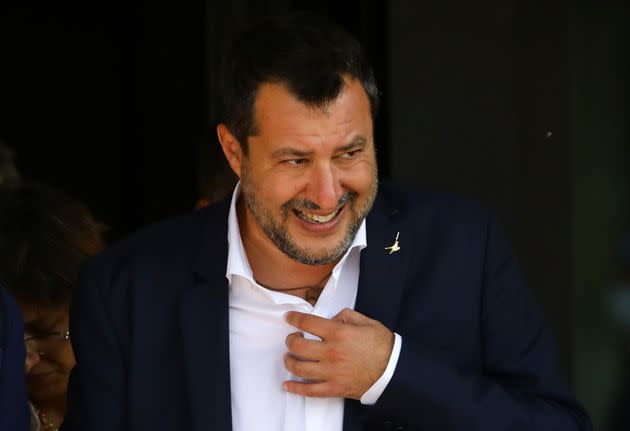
pixel 45 236
pixel 306 52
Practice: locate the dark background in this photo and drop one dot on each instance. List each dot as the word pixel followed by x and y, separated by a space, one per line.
pixel 115 102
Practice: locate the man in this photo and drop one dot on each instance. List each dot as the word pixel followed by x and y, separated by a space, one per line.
pixel 313 299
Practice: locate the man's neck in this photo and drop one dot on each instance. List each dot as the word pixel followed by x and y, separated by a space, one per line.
pixel 272 268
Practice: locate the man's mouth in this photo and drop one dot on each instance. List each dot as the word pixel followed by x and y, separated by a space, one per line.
pixel 316 218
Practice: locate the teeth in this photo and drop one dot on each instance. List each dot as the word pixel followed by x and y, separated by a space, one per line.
pixel 317 218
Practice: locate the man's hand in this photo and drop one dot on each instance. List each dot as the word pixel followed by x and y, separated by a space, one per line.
pixel 352 355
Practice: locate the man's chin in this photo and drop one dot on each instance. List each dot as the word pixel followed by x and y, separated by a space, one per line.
pixel 315 260
pixel 322 255
pixel 322 249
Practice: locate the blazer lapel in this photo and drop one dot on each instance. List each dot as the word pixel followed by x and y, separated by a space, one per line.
pixel 204 317
pixel 383 269
pixel 381 277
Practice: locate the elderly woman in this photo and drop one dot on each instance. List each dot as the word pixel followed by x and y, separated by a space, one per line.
pixel 44 238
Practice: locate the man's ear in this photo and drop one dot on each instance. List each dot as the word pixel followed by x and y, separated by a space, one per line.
pixel 231 148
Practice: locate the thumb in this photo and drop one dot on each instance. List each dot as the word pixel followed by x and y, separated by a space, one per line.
pixel 352 317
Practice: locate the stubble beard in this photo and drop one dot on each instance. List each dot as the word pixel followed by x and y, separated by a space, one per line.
pixel 277 230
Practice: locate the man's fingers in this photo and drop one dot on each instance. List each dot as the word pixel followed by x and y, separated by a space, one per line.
pixel 352 317
pixel 310 370
pixel 309 349
pixel 314 390
pixel 310 323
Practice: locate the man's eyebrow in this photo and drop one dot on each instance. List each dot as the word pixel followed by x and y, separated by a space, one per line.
pixel 356 143
pixel 283 152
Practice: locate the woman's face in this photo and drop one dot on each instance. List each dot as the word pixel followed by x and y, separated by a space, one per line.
pixel 47 380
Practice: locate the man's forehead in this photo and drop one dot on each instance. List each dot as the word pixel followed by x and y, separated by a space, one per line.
pixel 281 91
pixel 276 106
pixel 319 104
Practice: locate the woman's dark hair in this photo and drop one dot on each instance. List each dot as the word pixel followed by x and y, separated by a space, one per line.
pixel 307 53
pixel 45 236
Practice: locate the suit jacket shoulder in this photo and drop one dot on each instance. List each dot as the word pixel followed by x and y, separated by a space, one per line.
pixel 170 245
pixel 407 202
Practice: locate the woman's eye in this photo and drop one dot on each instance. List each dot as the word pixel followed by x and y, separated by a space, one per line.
pixel 34 333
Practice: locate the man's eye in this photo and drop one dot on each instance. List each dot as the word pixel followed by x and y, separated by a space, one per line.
pixel 350 154
pixel 295 162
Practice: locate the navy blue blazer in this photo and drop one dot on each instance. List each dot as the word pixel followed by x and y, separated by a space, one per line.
pixel 150 327
pixel 14 412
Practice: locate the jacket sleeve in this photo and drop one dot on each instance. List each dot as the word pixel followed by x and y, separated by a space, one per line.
pixel 519 388
pixel 14 411
pixel 97 387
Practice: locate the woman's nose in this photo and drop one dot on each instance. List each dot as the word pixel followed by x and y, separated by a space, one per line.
pixel 32 358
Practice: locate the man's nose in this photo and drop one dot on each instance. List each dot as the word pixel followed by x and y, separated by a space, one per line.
pixel 324 187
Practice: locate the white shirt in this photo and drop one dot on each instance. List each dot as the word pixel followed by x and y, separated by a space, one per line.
pixel 257 343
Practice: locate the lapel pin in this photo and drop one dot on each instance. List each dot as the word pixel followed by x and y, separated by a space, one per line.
pixel 394 247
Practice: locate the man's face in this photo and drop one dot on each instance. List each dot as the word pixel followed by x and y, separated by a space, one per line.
pixel 310 175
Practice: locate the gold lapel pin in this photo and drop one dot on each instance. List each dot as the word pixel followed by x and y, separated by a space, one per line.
pixel 394 247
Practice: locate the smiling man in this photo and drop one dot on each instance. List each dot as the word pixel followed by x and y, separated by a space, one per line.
pixel 313 299
pixel 308 180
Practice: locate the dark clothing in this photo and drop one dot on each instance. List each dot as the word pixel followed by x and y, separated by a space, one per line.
pixel 14 411
pixel 150 327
